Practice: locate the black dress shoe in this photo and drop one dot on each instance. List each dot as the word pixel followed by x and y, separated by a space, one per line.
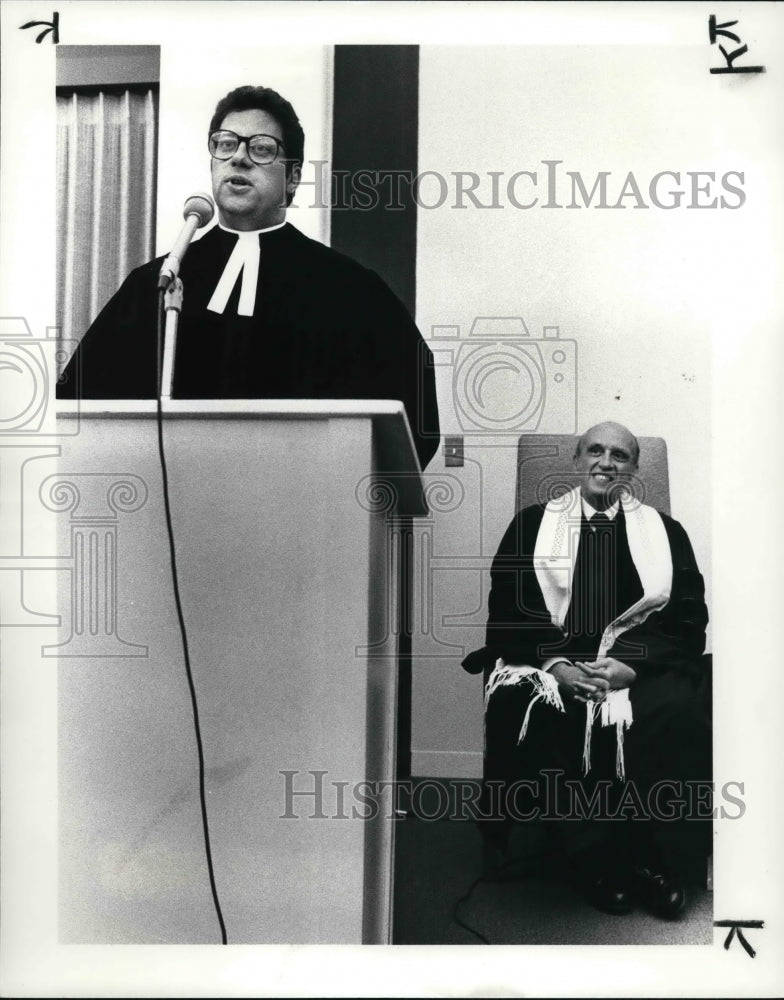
pixel 659 894
pixel 609 895
pixel 602 881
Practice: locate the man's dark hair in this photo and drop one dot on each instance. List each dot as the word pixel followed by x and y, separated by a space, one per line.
pixel 265 99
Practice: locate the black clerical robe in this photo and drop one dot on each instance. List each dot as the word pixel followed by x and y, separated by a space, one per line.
pixel 323 327
pixel 669 739
pixel 520 629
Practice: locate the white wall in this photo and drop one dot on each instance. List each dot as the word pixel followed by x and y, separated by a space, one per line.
pixel 632 287
pixel 195 78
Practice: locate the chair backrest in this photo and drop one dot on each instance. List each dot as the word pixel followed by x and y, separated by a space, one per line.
pixel 544 461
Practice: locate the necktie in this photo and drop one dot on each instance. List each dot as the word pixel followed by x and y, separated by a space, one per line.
pixel 594 586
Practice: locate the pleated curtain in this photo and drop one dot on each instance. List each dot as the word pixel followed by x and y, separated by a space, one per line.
pixel 106 170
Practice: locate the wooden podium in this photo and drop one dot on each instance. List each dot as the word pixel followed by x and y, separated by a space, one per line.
pixel 284 516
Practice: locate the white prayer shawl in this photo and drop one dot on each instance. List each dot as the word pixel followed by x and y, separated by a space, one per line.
pixel 555 554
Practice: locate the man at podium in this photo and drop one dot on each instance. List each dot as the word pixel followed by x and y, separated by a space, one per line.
pixel 267 312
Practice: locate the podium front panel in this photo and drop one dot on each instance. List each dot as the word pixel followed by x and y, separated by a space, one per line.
pixel 286 577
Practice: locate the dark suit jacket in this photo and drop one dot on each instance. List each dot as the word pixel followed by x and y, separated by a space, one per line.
pixel 519 629
pixel 324 327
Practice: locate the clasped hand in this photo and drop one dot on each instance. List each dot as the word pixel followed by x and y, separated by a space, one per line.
pixel 591 681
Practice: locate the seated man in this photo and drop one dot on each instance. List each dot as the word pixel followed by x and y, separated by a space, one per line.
pixel 596 684
pixel 267 312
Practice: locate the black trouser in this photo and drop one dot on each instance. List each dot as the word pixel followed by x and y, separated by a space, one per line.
pixel 660 813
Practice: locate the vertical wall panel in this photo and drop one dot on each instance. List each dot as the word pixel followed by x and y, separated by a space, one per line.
pixel 375 133
pixel 375 126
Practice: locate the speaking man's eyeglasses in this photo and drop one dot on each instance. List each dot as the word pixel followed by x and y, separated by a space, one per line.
pixel 261 148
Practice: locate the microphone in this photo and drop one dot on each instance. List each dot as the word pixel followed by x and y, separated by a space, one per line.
pixel 197 212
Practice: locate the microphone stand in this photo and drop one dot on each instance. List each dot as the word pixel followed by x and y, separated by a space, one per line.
pixel 173 305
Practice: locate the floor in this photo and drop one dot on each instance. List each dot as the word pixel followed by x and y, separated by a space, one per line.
pixel 438 861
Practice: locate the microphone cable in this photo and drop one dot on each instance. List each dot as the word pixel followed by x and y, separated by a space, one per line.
pixel 464 899
pixel 180 617
pixel 508 865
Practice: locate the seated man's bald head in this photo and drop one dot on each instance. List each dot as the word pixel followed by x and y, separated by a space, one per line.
pixel 606 456
pixel 611 426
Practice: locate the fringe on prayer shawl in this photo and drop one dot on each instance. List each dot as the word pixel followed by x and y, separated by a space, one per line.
pixel 545 687
pixel 616 709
